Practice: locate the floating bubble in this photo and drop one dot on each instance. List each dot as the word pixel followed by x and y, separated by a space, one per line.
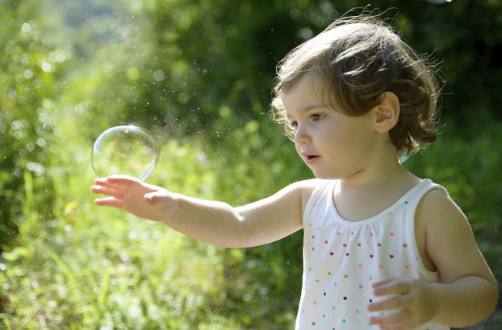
pixel 127 149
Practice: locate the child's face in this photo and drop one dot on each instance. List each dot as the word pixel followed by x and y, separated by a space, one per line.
pixel 331 143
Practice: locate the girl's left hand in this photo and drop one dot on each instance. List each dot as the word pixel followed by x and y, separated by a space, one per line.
pixel 414 303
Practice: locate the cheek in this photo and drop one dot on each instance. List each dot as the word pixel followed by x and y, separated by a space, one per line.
pixel 297 147
pixel 343 138
pixel 354 141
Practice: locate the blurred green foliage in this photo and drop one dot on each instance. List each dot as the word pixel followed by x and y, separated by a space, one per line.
pixel 27 77
pixel 199 75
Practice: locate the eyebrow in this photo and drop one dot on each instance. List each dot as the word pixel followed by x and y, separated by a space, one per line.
pixel 309 108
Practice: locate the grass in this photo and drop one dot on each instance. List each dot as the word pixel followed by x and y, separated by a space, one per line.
pixel 89 267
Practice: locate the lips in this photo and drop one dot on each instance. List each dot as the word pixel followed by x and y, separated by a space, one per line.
pixel 309 159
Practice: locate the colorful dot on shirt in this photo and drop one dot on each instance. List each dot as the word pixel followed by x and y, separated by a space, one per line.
pixel 391 256
pixel 405 245
pixel 347 254
pixel 405 202
pixel 325 242
pixel 313 323
pixel 344 245
pixel 357 311
pixel 345 298
pixel 392 234
pixel 324 294
pixel 360 286
pixel 331 253
pixel 360 266
pixel 359 244
pixel 346 276
pixel 371 256
pixel 379 244
pixel 371 234
pixel 330 273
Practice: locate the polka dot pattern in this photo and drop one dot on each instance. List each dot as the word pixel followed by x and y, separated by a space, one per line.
pixel 342 259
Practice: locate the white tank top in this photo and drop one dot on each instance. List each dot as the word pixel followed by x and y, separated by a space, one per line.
pixel 342 258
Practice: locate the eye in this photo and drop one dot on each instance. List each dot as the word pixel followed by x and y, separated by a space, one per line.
pixel 316 116
pixel 293 124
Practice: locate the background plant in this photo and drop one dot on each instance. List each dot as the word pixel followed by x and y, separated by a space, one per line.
pixel 198 74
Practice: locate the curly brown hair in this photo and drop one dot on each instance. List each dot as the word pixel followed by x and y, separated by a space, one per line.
pixel 361 57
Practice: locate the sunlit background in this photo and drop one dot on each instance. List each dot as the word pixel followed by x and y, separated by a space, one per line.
pixel 198 75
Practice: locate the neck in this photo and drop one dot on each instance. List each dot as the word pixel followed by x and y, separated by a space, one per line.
pixel 384 169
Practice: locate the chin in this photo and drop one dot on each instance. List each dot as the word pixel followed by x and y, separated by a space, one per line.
pixel 325 175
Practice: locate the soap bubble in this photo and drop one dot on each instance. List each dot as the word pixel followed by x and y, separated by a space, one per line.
pixel 127 150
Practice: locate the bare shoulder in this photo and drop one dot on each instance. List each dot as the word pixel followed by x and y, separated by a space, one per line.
pixel 437 214
pixel 306 188
pixel 449 240
pixel 436 208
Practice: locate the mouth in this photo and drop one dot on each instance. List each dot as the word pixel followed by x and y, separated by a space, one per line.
pixel 309 159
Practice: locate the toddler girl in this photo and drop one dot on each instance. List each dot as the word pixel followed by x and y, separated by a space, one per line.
pixel 382 247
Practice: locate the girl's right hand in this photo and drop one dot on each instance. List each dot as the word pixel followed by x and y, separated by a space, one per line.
pixel 136 197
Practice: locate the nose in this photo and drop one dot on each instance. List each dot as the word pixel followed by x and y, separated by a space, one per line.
pixel 301 135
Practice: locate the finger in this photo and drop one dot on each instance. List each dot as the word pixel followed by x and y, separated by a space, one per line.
pixel 383 282
pixel 109 201
pixel 151 197
pixel 154 196
pixel 401 301
pixel 396 327
pixel 100 180
pixel 106 191
pixel 390 327
pixel 106 183
pixel 121 179
pixel 396 287
pixel 398 319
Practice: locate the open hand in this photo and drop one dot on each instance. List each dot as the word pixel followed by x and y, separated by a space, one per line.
pixel 136 197
pixel 413 303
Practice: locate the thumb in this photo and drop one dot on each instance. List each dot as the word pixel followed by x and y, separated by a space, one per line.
pixel 151 197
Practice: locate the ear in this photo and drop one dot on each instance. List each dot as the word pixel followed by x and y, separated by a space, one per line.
pixel 387 112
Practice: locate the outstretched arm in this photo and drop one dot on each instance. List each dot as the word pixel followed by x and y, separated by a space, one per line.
pixel 213 222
